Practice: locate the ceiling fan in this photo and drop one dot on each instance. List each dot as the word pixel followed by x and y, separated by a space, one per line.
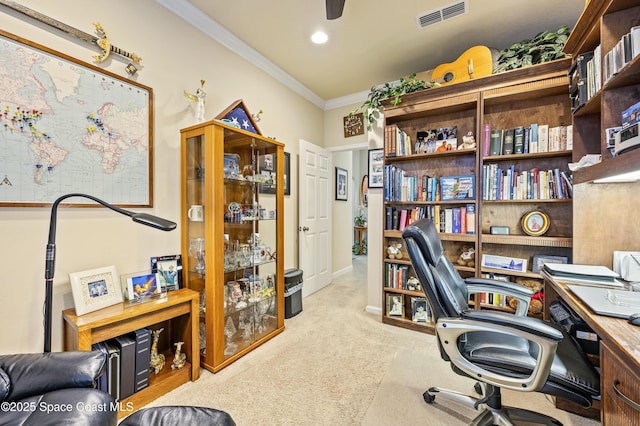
pixel 334 8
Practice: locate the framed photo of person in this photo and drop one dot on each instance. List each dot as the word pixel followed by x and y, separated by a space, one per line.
pixel 95 289
pixel 419 309
pixel 342 184
pixel 395 307
pixel 169 270
pixel 535 223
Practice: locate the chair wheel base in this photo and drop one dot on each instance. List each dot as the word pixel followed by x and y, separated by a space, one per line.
pixel 478 388
pixel 428 398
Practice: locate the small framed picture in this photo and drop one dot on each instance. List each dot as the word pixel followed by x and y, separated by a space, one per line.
pixel 376 168
pixel 540 259
pixel 95 289
pixel 169 270
pixel 342 184
pixel 395 307
pixel 419 309
pixel 141 286
pixel 504 262
pixel 535 223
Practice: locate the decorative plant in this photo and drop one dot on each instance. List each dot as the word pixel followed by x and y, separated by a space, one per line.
pixel 360 221
pixel 372 106
pixel 356 248
pixel 544 47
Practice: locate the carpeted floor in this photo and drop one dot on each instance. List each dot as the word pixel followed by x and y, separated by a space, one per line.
pixel 336 364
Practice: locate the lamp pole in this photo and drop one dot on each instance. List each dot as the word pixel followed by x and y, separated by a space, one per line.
pixel 50 258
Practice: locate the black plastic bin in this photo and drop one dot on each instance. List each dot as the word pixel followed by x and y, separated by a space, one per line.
pixel 292 292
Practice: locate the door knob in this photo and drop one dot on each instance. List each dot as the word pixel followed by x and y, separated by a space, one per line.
pixel 303 228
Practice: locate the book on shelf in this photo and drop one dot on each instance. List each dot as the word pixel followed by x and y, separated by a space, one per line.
pixel 486 139
pixel 507 144
pixel 142 339
pixel 471 218
pixel 496 141
pixel 518 140
pixel 543 138
pixel 533 138
pixel 127 347
pixel 396 141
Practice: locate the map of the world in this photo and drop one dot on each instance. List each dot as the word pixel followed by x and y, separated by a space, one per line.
pixel 67 127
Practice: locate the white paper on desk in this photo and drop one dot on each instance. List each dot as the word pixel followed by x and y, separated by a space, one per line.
pixel 590 271
pixel 596 298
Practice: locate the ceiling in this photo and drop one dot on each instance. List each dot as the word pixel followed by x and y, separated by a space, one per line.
pixel 375 41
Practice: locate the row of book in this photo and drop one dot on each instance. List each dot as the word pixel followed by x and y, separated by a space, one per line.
pixel 400 186
pixel 526 140
pixel 396 141
pixel 627 48
pixel 128 358
pixel 451 220
pixel 534 184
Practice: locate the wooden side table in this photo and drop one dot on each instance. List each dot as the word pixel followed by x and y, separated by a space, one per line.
pixel 358 232
pixel 179 310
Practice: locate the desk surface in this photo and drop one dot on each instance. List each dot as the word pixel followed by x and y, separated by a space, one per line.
pixel 624 337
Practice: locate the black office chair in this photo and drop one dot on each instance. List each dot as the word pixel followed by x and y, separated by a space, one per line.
pixel 498 349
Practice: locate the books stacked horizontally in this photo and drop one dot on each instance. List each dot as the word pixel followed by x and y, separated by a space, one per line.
pixel 594 275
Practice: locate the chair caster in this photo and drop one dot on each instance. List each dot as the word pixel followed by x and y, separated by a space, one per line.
pixel 428 398
pixel 478 388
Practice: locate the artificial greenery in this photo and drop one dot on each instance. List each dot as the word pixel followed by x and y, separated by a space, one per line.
pixel 394 91
pixel 356 249
pixel 544 47
pixel 360 221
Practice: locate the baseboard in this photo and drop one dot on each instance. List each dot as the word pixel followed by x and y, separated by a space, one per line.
pixel 342 271
pixel 373 310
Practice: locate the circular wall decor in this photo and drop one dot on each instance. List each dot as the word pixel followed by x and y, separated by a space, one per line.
pixel 535 223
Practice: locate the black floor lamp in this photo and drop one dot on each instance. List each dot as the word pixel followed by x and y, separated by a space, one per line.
pixel 50 261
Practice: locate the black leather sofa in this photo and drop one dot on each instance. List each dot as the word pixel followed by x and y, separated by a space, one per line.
pixel 54 389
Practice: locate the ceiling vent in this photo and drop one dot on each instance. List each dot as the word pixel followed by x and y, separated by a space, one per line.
pixel 433 17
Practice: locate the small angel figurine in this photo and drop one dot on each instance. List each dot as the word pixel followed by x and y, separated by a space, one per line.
pixel 198 97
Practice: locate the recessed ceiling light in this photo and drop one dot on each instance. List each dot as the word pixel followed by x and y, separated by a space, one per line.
pixel 319 37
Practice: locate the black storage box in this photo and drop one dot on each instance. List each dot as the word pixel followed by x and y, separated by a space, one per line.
pixel 292 292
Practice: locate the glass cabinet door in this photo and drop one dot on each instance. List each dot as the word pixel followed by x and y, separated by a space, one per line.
pixel 194 263
pixel 249 296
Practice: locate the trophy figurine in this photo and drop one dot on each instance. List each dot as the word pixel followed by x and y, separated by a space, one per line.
pixel 196 249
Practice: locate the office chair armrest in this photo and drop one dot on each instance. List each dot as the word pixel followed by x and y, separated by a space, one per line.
pixel 545 337
pixel 519 292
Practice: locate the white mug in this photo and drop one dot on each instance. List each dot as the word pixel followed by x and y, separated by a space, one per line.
pixel 196 213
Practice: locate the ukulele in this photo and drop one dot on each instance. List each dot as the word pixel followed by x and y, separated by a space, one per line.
pixel 475 62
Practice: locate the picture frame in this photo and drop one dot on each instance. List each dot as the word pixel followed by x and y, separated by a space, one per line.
pixel 98 104
pixel 141 286
pixel 395 305
pixel 540 259
pixel 268 167
pixel 376 168
pixel 454 188
pixel 169 270
pixel 419 309
pixel 342 184
pixel 95 289
pixel 237 115
pixel 535 223
pixel 504 262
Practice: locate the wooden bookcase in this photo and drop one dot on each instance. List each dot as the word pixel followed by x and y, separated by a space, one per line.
pixel 537 94
pixel 604 23
pixel 238 268
pixel 177 313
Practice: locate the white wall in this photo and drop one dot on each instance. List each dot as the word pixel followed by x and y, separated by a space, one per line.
pixel 175 57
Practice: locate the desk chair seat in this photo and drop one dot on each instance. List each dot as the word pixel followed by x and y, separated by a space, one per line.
pixel 497 349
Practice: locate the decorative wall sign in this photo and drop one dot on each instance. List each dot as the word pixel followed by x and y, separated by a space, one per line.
pixel 67 126
pixel 353 125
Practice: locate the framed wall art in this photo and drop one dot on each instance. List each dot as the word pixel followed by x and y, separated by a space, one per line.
pixel 71 126
pixel 376 168
pixel 342 184
pixel 95 289
pixel 535 223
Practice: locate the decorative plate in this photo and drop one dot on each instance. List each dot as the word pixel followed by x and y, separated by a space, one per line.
pixel 535 223
pixel 235 207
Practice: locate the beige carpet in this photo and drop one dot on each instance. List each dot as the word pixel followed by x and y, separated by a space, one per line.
pixel 336 364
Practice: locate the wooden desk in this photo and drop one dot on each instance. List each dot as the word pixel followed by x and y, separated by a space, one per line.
pixel 358 234
pixel 619 356
pixel 179 310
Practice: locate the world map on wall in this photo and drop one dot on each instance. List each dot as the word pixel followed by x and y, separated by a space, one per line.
pixel 67 127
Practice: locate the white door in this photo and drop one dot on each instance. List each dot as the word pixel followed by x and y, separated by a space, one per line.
pixel 314 196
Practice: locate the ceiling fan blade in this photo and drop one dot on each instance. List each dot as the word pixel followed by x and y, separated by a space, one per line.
pixel 334 8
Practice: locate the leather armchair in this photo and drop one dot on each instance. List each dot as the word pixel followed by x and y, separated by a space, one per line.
pixel 498 349
pixel 54 389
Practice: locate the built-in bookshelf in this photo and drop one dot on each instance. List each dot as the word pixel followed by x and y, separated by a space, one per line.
pixel 450 181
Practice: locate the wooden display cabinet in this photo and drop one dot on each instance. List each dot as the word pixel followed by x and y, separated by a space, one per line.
pixel 536 94
pixel 233 252
pixel 177 313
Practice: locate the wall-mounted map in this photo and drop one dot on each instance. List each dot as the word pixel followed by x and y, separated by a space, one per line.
pixel 67 126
